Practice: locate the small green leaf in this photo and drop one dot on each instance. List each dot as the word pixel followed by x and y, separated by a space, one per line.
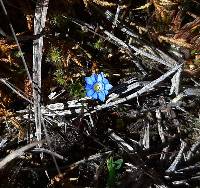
pixel 118 163
pixel 113 166
pixel 19 54
pixel 195 52
pixel 196 60
pixel 98 45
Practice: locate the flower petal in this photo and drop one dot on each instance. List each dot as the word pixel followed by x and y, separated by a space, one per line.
pixel 99 78
pixel 95 95
pixel 94 78
pixel 89 80
pixel 106 92
pixel 108 86
pixel 105 81
pixel 88 86
pixel 101 96
pixel 102 74
pixel 90 92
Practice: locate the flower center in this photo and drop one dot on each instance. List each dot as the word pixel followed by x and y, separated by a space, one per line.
pixel 97 87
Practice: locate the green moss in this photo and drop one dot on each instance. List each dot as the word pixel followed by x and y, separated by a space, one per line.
pixel 76 89
pixel 59 77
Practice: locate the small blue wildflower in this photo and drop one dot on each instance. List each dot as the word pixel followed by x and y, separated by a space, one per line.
pixel 97 86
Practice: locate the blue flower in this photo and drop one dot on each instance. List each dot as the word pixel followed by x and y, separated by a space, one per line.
pixel 97 86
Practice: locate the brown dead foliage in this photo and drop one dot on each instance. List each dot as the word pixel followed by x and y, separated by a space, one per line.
pixel 173 25
pixel 5 99
pixel 5 51
pixel 165 10
pixel 9 117
pixel 190 32
pixel 103 3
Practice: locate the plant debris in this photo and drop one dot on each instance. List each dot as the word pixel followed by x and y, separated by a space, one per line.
pixel 143 133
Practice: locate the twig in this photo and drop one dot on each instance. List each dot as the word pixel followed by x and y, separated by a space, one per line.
pixel 15 90
pixel 129 87
pixel 165 58
pixel 177 160
pixel 176 83
pixel 161 134
pixel 139 66
pixel 92 157
pixel 160 186
pixel 120 141
pixel 53 95
pixel 145 140
pixel 49 145
pixel 50 152
pixel 116 15
pixel 196 167
pixel 150 56
pixel 142 90
pixel 39 24
pixel 181 183
pixel 18 153
pixel 193 150
pixel 160 128
pixel 2 142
